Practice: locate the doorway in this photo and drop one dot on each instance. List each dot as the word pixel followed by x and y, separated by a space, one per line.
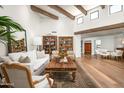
pixel 88 48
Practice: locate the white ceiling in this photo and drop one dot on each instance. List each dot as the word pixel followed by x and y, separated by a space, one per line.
pixel 50 10
pixel 88 7
pixel 69 8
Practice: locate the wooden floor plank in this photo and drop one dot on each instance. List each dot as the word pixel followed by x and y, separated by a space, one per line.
pixel 106 73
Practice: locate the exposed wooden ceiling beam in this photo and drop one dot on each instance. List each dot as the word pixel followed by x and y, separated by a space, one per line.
pixel 102 6
pixel 79 7
pixel 43 12
pixel 61 10
pixel 104 28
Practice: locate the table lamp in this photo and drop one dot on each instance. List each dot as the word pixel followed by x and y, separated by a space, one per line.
pixel 37 41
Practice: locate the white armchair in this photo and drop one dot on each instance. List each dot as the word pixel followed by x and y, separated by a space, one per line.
pixel 117 54
pixel 20 77
pixel 71 54
pixel 1 75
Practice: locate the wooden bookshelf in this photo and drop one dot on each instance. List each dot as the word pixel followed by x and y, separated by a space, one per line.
pixel 49 44
pixel 65 43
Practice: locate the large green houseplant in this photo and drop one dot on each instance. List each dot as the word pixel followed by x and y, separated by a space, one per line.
pixel 7 28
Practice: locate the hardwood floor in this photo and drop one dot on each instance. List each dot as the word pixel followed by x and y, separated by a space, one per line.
pixel 103 72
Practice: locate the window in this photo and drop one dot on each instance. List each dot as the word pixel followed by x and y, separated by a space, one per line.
pixel 94 15
pixel 98 43
pixel 115 8
pixel 80 20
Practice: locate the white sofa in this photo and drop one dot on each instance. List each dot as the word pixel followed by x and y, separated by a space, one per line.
pixel 39 60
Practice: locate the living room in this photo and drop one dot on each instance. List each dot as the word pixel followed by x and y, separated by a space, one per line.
pixel 59 33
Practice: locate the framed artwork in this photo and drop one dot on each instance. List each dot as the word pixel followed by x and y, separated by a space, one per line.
pixel 21 42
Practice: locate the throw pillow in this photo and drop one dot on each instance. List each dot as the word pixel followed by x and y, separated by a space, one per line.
pixel 16 56
pixel 6 60
pixel 40 55
pixel 1 59
pixel 32 55
pixel 24 59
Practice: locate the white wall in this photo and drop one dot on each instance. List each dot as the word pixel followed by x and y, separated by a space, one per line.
pixel 36 25
pixel 3 48
pixel 63 26
pixel 104 19
pixel 77 47
pixel 110 42
pixel 118 40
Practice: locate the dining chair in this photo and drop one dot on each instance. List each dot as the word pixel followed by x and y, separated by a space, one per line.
pixel 117 54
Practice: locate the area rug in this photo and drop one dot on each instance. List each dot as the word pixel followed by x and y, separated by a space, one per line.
pixel 64 80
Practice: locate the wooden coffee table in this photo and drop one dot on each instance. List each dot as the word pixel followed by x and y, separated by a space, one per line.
pixel 54 66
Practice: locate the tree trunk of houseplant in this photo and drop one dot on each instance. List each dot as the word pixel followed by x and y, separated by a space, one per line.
pixel 9 40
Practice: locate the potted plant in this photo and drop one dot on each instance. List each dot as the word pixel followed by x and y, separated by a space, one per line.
pixel 7 28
